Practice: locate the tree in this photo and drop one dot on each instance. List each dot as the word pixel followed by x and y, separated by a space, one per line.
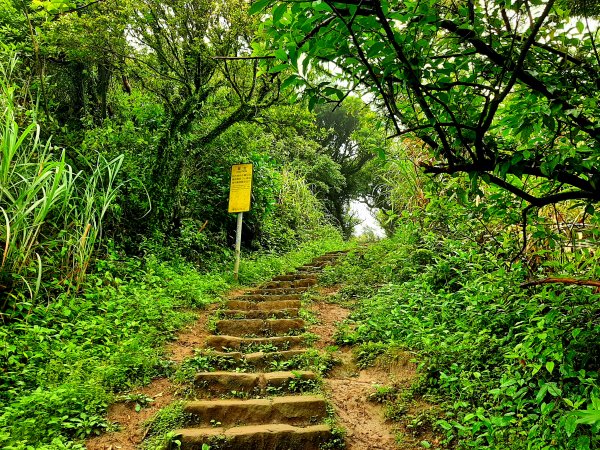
pixel 351 139
pixel 504 91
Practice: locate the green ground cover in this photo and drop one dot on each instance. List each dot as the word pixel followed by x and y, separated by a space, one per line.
pixel 64 362
pixel 512 368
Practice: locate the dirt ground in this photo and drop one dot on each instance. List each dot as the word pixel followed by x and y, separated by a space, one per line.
pixel 129 424
pixel 347 387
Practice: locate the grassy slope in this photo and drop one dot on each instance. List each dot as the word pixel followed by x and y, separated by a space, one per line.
pixel 509 366
pixel 62 365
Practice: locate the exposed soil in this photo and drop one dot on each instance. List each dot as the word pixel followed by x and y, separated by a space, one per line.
pixel 328 315
pixel 129 423
pixel 347 387
pixel 191 337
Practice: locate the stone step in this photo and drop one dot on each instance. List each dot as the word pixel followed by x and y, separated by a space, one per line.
pixel 280 291
pixel 280 284
pixel 260 360
pixel 293 410
pixel 269 297
pixel 294 277
pixel 321 264
pixel 259 327
pixel 324 258
pixel 309 268
pixel 222 382
pixel 248 305
pixel 258 313
pixel 222 342
pixel 256 437
pixel 338 252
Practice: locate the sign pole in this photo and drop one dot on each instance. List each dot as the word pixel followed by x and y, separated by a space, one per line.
pixel 240 196
pixel 238 245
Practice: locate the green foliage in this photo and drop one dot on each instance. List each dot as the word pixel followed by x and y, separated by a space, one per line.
pixel 63 365
pixel 512 368
pixel 51 216
pixel 160 427
pixel 298 215
pixel 352 136
pixel 490 100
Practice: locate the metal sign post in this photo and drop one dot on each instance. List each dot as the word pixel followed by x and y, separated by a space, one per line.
pixel 240 191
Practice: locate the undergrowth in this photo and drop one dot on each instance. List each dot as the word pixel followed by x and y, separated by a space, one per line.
pixel 512 368
pixel 65 361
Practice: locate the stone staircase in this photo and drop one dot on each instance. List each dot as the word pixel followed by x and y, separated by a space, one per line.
pixel 269 411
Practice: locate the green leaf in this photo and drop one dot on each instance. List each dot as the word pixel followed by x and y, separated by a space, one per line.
pixel 554 390
pixel 550 366
pixel 580 26
pixel 589 209
pixel 583 443
pixel 258 6
pixel 570 424
pixel 281 54
pixel 278 68
pixel 587 417
pixel 278 12
pixel 292 80
pixel 541 394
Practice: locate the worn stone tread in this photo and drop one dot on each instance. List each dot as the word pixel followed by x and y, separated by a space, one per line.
pixel 222 342
pixel 297 410
pixel 280 291
pixel 259 313
pixel 258 327
pixel 257 437
pixel 294 277
pixel 268 297
pixel 255 383
pixel 264 305
pixel 284 355
pixel 257 360
pixel 278 284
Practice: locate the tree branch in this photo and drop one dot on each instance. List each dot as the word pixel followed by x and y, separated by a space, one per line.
pixel 525 77
pixel 574 281
pixel 231 58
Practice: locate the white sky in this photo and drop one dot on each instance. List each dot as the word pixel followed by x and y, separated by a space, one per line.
pixel 368 221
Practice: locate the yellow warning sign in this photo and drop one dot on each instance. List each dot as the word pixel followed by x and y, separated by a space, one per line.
pixel 240 188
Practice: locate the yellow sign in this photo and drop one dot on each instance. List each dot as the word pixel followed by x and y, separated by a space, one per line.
pixel 240 188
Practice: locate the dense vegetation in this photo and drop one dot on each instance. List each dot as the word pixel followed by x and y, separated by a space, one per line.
pixel 511 367
pixel 471 127
pixel 118 133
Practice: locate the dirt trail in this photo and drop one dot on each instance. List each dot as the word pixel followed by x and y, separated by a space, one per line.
pixel 347 388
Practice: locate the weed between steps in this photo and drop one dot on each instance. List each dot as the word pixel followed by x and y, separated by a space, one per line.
pixel 159 429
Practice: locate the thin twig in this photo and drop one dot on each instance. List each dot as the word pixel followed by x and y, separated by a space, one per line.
pixel 574 281
pixel 231 58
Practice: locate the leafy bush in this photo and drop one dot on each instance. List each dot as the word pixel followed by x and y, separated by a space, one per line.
pixel 513 368
pixel 63 365
pixel 50 216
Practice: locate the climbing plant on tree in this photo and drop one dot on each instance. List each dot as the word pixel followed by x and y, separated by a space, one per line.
pixel 504 91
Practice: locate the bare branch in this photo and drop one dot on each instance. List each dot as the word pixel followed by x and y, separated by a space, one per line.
pixel 574 281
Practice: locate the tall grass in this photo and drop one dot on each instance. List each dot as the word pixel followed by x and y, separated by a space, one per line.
pixel 50 214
